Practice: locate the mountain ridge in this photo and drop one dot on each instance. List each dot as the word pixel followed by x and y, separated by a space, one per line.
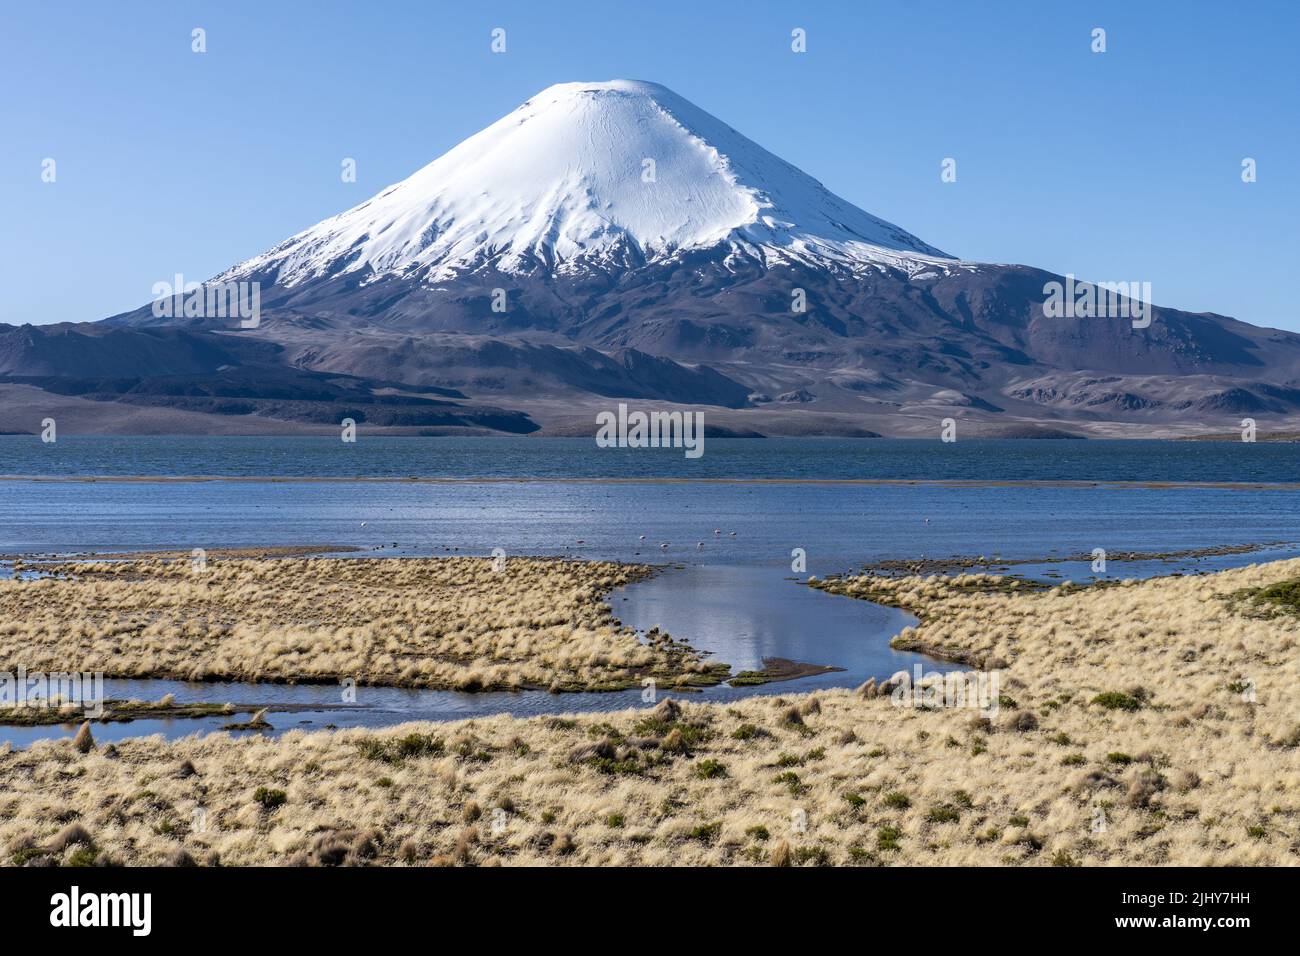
pixel 612 240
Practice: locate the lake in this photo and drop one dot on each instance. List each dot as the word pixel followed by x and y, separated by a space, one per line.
pixel 724 458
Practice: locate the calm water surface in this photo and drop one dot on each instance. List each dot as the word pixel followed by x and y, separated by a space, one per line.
pixel 737 458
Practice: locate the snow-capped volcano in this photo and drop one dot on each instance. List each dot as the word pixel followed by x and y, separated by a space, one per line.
pixel 613 240
pixel 619 172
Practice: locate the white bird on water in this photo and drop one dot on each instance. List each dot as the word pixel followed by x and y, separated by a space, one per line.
pixel 664 546
pixel 642 538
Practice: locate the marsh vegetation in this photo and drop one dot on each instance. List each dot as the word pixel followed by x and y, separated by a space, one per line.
pixel 443 623
pixel 1149 722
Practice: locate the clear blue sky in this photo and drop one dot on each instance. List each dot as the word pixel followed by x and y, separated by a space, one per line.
pixel 1116 166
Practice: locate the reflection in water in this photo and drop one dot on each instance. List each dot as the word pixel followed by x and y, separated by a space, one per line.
pixel 743 615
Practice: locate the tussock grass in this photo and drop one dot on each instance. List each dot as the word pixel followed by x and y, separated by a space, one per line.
pixel 449 623
pixel 1211 777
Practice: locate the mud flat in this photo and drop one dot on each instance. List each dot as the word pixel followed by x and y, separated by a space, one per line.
pixel 780 669
pixel 126 711
pixel 274 551
pixel 969 562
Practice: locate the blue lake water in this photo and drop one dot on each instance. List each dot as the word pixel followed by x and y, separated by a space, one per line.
pixel 839 526
pixel 728 592
pixel 740 458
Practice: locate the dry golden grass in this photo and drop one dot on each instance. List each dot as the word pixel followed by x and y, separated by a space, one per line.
pixel 451 623
pixel 1196 775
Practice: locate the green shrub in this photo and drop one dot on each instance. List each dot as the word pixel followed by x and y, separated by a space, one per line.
pixel 21 856
pixel 707 832
pixel 944 813
pixel 1117 700
pixel 395 751
pixel 269 798
pixel 709 769
pixel 811 854
pixel 1285 594
pixel 887 837
pixel 610 765
pixel 83 856
pixel 791 781
pixel 656 727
